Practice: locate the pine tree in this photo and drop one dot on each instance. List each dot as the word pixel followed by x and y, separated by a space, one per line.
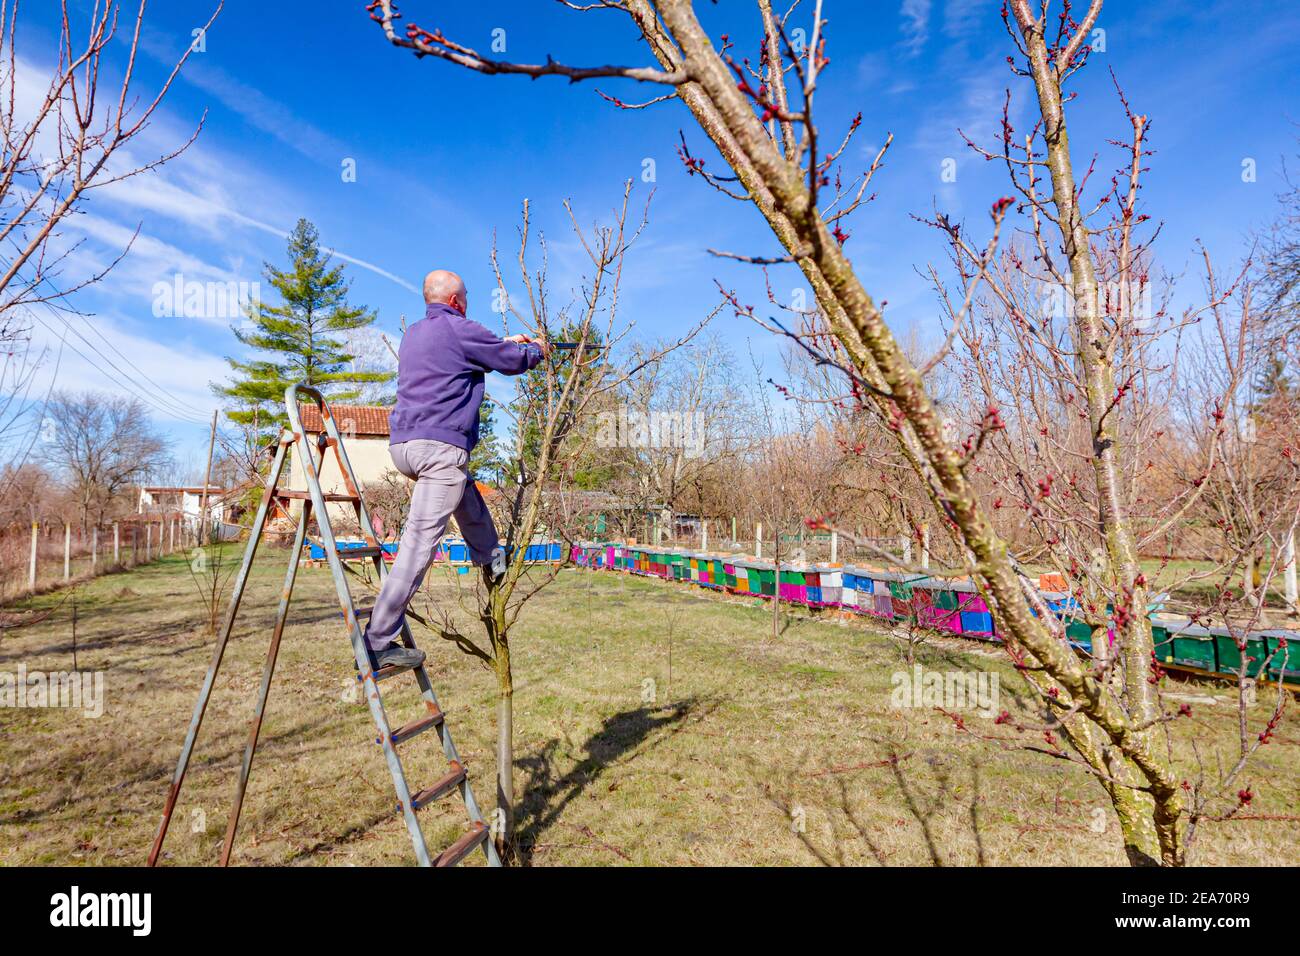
pixel 298 336
pixel 486 462
pixel 591 470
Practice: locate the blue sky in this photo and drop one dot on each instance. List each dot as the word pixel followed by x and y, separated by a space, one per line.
pixel 444 157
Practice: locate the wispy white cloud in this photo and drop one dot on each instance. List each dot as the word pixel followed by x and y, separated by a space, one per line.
pixel 171 376
pixel 916 25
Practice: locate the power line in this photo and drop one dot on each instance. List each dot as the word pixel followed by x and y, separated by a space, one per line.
pixel 180 409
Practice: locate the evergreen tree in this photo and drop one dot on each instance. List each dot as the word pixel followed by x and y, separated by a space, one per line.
pixel 1273 381
pixel 298 337
pixel 486 463
pixel 591 470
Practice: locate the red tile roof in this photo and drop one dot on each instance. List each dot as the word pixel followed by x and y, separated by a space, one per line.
pixel 363 421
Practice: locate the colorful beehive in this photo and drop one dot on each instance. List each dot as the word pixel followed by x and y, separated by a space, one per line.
pixel 1193 646
pixel 855 590
pixel 1230 655
pixel 949 604
pixel 884 605
pixel 832 585
pixel 1284 646
pixel 792 587
pixel 940 618
pixel 812 581
pixel 977 623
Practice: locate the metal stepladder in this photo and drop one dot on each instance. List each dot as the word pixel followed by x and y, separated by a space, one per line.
pixel 314 500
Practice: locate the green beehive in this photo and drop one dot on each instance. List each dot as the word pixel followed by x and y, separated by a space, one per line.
pixel 1080 632
pixel 946 600
pixel 1164 647
pixel 1193 646
pixel 1230 654
pixel 1286 660
pixel 900 591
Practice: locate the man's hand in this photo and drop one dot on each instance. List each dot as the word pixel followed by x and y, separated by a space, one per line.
pixel 542 344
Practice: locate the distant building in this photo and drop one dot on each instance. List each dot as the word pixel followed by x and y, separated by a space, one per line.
pixel 365 434
pixel 183 500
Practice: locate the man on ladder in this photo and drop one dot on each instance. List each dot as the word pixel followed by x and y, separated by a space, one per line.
pixel 441 364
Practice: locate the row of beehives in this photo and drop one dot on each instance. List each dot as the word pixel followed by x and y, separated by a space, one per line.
pixel 944 604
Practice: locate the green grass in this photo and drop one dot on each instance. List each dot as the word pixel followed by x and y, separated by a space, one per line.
pixel 751 751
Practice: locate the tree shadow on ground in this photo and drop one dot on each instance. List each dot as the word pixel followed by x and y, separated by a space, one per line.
pixel 925 801
pixel 546 793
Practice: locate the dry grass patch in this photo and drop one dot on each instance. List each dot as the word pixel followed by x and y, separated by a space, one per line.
pixel 751 751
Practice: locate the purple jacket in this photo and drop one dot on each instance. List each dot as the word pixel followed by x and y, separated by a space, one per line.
pixel 440 366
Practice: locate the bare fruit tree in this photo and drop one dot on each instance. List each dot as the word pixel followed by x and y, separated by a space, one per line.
pixel 554 429
pixel 682 424
pixel 64 132
pixel 759 116
pixel 104 446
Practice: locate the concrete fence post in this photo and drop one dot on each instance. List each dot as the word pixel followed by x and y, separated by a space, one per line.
pixel 758 540
pixel 704 543
pixel 31 569
pixel 1289 572
pixel 148 542
pixel 67 552
pixel 835 546
pixel 117 544
pixel 94 548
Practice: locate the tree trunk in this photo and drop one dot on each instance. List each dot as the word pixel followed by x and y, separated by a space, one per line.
pixel 505 768
pixel 504 818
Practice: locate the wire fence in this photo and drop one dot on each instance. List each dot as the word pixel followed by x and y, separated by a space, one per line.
pixel 46 556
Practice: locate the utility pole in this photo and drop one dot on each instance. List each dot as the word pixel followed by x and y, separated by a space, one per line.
pixel 207 479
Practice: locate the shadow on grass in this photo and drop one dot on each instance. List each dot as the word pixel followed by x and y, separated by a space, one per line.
pixel 546 794
pixel 926 802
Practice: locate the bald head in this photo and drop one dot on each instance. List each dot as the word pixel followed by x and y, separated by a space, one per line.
pixel 447 288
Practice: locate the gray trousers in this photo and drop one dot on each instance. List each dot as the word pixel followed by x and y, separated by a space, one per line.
pixel 442 488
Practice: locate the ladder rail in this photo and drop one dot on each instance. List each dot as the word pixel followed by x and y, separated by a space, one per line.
pixel 316 503
pixel 205 693
pixel 264 691
pixel 365 674
pixel 331 437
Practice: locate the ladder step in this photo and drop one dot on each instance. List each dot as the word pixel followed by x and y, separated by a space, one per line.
pixel 454 778
pixel 416 727
pixel 464 846
pixel 306 496
pixel 392 670
pixel 366 552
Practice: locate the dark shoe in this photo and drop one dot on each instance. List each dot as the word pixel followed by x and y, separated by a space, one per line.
pixel 395 655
